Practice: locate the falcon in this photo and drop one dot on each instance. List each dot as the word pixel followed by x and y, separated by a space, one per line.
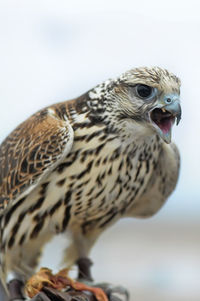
pixel 79 166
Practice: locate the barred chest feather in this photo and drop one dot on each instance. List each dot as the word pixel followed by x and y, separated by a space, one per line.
pixel 97 182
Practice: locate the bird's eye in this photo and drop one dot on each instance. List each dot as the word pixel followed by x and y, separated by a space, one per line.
pixel 144 91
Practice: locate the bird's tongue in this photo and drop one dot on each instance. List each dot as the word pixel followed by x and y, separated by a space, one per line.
pixel 165 125
pixel 164 120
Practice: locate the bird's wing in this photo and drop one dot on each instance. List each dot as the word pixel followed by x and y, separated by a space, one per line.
pixel 30 152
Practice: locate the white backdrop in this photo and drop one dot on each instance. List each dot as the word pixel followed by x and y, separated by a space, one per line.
pixel 56 50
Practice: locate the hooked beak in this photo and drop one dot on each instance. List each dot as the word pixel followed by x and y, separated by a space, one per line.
pixel 164 115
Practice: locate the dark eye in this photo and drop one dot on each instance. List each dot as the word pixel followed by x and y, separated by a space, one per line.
pixel 144 91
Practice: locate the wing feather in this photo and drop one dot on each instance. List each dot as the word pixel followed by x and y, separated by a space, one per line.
pixel 30 152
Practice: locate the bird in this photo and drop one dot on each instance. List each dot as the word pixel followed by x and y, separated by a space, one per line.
pixel 78 166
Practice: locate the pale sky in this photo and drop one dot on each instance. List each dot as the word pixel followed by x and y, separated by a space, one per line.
pixel 56 50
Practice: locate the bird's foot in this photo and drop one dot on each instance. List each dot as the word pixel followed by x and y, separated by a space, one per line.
pixel 45 278
pixel 41 289
pixel 113 293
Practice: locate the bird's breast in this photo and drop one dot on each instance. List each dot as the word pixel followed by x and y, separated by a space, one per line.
pixel 101 176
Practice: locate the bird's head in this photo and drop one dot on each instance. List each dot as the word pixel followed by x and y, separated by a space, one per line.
pixel 149 96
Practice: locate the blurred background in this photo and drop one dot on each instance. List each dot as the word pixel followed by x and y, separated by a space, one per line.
pixel 51 51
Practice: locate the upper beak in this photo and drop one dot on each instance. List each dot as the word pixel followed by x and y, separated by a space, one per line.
pixel 175 109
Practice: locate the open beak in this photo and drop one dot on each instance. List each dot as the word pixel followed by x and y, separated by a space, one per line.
pixel 163 117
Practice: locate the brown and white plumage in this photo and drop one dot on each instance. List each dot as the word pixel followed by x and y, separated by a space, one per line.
pixel 30 152
pixel 80 165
